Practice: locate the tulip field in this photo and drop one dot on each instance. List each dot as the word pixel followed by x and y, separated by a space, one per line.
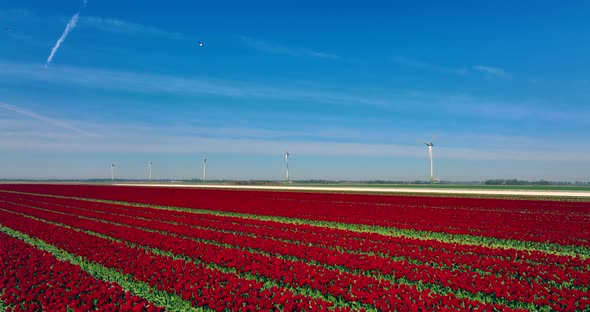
pixel 139 248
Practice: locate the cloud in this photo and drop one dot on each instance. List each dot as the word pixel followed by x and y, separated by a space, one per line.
pixel 105 24
pixel 121 27
pixel 530 110
pixel 50 121
pixel 155 83
pixel 488 70
pixel 18 36
pixel 452 105
pixel 493 71
pixel 18 16
pixel 273 48
pixel 308 133
pixel 148 142
pixel 427 66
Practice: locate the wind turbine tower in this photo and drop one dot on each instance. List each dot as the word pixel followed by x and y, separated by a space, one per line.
pixel 150 169
pixel 287 167
pixel 204 169
pixel 430 145
pixel 112 173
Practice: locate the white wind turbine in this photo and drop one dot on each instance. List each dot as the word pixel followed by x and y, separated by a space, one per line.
pixel 287 167
pixel 150 170
pixel 430 145
pixel 112 173
pixel 204 168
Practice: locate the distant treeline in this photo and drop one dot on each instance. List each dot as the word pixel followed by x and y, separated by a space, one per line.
pixel 523 182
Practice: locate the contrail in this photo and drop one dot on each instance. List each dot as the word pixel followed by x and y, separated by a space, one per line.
pixel 51 121
pixel 71 24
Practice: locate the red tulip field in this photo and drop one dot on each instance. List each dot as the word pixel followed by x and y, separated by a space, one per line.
pixel 134 248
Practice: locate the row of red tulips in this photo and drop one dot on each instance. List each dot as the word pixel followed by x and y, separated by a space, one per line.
pixel 192 282
pixel 531 289
pixel 559 282
pixel 343 286
pixel 34 280
pixel 539 221
pixel 558 269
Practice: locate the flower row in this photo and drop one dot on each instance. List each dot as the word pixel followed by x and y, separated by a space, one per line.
pixel 34 280
pixel 365 242
pixel 192 282
pixel 342 285
pixel 539 221
pixel 517 277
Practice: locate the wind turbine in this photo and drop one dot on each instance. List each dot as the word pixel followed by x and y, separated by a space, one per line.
pixel 112 173
pixel 287 167
pixel 430 145
pixel 150 169
pixel 204 168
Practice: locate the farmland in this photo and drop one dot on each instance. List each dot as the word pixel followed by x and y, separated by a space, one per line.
pixel 87 247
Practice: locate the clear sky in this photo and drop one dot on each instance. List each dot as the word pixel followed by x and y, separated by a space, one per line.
pixel 351 90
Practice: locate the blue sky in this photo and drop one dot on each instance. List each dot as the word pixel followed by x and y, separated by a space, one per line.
pixel 351 91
